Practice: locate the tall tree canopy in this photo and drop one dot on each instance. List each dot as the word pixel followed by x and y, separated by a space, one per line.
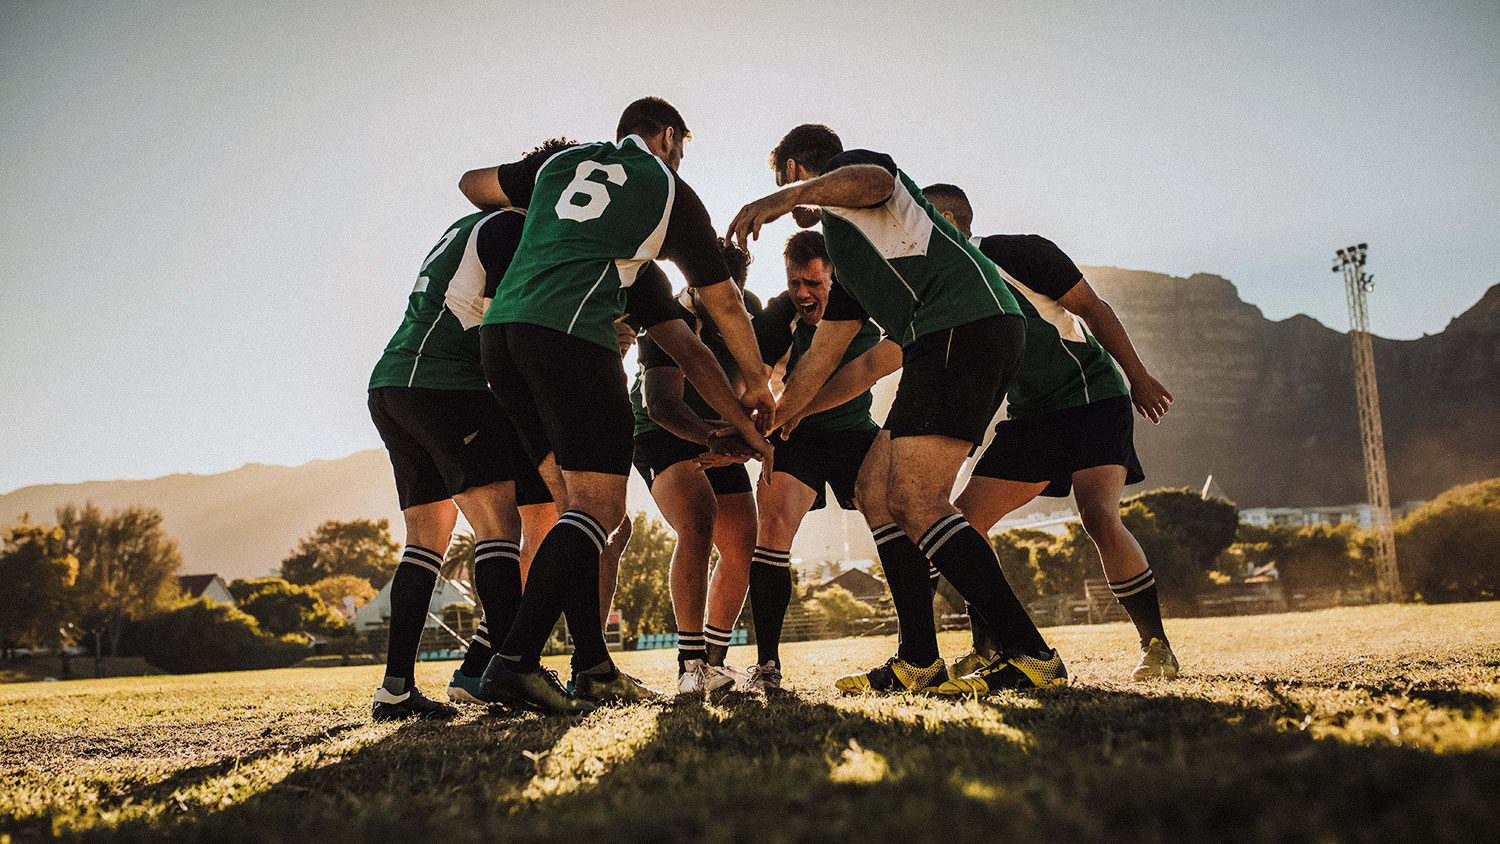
pixel 361 547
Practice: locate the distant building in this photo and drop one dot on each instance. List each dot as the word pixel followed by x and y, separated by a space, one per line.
pixel 1362 515
pixel 863 586
pixel 206 586
pixel 447 593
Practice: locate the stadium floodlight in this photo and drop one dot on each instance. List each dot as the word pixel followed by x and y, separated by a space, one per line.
pixel 1351 260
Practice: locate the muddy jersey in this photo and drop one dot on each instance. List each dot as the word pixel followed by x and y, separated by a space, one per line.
pixel 596 214
pixel 905 265
pixel 784 338
pixel 1064 365
pixel 437 346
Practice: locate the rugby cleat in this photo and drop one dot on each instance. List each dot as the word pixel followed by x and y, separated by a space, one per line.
pixel 412 704
pixel 896 675
pixel 764 679
pixel 721 678
pixel 464 689
pixel 614 686
pixel 1014 672
pixel 968 663
pixel 690 679
pixel 1157 661
pixel 537 690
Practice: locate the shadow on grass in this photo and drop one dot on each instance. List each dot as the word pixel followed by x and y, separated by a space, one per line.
pixel 1076 765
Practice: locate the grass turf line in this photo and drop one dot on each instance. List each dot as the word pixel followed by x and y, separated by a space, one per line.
pixel 1367 724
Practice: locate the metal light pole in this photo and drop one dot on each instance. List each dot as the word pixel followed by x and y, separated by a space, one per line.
pixel 1351 260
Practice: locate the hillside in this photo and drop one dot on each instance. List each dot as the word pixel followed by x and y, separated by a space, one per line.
pixel 1265 406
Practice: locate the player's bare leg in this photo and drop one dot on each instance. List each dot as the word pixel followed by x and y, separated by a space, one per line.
pixel 1098 491
pixel 686 499
pixel 734 536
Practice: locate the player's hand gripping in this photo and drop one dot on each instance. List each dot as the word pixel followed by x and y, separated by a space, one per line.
pixel 746 225
pixel 1150 398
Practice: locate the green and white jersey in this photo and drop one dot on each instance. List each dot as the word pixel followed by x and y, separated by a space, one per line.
pixel 437 345
pixel 596 214
pixel 1064 365
pixel 908 268
pixel 784 338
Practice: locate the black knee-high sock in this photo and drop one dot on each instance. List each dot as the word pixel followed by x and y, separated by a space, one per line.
pixel 561 561
pixel 497 582
pixel 1138 596
pixel 984 638
pixel 717 644
pixel 690 645
pixel 911 592
pixel 411 594
pixel 582 612
pixel 964 557
pixel 770 593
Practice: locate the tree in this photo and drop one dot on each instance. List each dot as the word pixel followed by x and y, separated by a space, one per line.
pixel 38 572
pixel 1312 557
pixel 838 609
pixel 458 562
pixel 281 607
pixel 1204 526
pixel 127 568
pixel 1449 550
pixel 1017 549
pixel 644 595
pixel 333 591
pixel 205 635
pixel 361 547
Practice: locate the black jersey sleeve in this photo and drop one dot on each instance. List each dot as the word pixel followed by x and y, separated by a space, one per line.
pixel 1034 261
pixel 773 328
pixel 518 178
pixel 690 241
pixel 841 305
pixel 649 300
pixel 495 243
pixel 860 156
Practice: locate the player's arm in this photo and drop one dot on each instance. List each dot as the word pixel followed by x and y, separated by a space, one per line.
pixel 663 390
pixel 829 343
pixel 482 187
pixel 699 366
pixel 850 186
pixel 691 244
pixel 724 305
pixel 1148 394
pixel 850 381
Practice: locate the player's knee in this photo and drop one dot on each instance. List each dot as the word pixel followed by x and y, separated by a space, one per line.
pixel 1099 519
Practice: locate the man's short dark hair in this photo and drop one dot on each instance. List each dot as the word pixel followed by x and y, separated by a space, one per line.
pixel 953 199
pixel 804 246
pixel 810 145
pixel 648 116
pixel 739 263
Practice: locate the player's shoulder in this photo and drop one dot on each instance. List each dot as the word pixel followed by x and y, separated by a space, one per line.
pixel 1019 245
pixel 860 156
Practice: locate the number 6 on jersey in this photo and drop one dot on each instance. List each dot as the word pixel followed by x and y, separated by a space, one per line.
pixel 596 193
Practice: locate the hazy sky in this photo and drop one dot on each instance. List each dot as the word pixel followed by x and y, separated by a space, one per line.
pixel 212 213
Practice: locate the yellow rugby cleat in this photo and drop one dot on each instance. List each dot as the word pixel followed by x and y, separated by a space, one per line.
pixel 1157 661
pixel 1014 672
pixel 968 664
pixel 896 675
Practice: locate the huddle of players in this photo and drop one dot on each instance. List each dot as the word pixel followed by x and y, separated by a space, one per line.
pixel 563 250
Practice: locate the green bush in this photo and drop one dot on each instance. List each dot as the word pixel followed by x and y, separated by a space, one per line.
pixel 1449 550
pixel 205 635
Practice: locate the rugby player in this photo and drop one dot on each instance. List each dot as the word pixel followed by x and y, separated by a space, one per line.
pixel 598 214
pixel 451 447
pixel 1068 423
pixel 706 507
pixel 826 450
pixel 962 333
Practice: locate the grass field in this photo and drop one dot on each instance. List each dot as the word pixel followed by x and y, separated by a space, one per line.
pixel 1377 724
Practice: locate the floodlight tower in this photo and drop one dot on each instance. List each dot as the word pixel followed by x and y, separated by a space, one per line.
pixel 1351 260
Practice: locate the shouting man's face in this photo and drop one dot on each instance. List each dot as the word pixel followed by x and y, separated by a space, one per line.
pixel 808 285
